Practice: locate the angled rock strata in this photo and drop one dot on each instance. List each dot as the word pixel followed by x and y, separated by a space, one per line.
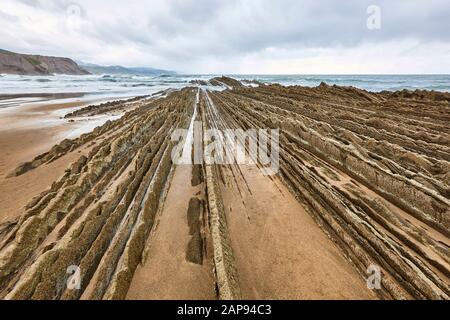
pixel 371 169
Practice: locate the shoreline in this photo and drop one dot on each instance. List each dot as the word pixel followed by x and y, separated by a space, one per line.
pixel 29 130
pixel 129 85
pixel 362 182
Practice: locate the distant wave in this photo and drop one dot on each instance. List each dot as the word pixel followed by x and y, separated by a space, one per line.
pixel 136 85
pixel 131 85
pixel 109 80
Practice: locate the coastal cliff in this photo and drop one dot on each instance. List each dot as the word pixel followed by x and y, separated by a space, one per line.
pixel 24 64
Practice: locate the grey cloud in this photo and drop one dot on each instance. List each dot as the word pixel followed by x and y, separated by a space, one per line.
pixel 180 31
pixel 8 17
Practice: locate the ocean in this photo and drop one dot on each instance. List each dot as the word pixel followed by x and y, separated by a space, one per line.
pixel 99 87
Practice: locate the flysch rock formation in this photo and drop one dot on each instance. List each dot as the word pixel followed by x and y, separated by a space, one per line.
pixel 370 170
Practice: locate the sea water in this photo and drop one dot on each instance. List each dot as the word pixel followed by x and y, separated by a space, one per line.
pixel 99 87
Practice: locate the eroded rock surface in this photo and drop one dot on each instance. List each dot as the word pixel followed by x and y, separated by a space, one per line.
pixel 371 169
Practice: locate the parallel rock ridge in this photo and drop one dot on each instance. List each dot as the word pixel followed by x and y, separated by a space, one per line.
pixel 372 169
pixel 219 82
pixel 227 281
pixel 98 215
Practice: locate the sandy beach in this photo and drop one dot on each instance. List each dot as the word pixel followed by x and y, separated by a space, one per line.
pixel 29 130
pixel 225 159
pixel 353 192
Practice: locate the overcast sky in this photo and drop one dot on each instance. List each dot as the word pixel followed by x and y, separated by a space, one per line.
pixel 228 36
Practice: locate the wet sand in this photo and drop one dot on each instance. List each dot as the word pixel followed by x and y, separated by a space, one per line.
pixel 358 171
pixel 166 272
pixel 26 132
pixel 280 252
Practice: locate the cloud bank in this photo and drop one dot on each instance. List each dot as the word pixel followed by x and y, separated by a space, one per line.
pixel 230 36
